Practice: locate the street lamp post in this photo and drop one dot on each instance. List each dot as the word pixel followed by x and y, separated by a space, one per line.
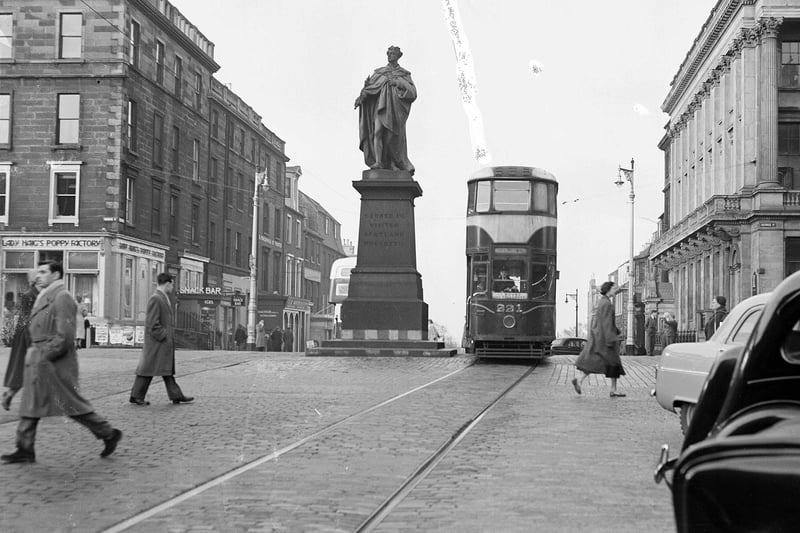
pixel 251 305
pixel 623 175
pixel 566 301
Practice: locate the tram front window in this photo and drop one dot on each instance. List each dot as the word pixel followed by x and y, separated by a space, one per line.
pixel 507 277
pixel 512 195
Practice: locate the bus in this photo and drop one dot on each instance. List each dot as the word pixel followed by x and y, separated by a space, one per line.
pixel 511 262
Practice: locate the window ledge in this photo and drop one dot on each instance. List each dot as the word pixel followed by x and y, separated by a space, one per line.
pixel 66 147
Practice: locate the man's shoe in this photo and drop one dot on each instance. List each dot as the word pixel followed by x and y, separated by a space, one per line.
pixel 19 456
pixel 185 399
pixel 138 401
pixel 111 443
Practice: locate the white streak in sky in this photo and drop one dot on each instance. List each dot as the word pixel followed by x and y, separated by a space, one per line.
pixel 639 109
pixel 465 74
pixel 536 67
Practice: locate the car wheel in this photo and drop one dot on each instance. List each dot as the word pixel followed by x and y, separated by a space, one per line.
pixel 687 410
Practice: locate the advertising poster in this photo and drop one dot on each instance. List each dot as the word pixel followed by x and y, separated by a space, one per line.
pixel 101 334
pixel 139 336
pixel 127 335
pixel 115 335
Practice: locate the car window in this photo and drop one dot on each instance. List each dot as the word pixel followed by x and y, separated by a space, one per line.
pixel 745 327
pixel 791 345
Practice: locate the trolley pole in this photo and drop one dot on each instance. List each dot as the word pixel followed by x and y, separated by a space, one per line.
pixel 252 304
pixel 627 174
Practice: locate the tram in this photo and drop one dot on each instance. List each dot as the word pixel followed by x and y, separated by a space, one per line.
pixel 511 262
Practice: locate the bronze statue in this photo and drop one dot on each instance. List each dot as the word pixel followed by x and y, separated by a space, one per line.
pixel 384 103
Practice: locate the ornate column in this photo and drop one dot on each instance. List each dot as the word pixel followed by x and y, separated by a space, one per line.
pixel 768 100
pixel 749 155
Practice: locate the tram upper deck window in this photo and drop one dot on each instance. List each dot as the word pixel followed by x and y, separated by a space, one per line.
pixel 512 195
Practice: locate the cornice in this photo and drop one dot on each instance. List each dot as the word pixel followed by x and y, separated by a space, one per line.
pixel 168 27
pixel 709 35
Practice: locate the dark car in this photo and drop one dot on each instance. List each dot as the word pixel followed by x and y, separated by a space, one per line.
pixel 567 346
pixel 739 466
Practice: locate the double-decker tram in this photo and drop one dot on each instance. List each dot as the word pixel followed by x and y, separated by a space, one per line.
pixel 511 262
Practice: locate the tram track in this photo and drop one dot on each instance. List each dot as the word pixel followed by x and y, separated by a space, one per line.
pixel 274 455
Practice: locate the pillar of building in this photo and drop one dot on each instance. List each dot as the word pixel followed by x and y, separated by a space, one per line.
pixel 748 101
pixel 768 100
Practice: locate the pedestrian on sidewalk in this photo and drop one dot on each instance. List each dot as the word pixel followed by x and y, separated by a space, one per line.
pixel 50 379
pixel 158 353
pixel 260 336
pixel 275 343
pixel 670 329
pixel 600 355
pixel 719 312
pixel 19 343
pixel 288 339
pixel 651 330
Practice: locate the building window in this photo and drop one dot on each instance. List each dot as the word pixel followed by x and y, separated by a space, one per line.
pixel 298 232
pixel 173 214
pixel 178 76
pixel 276 271
pixel 65 181
pixel 240 194
pixel 212 240
pixel 265 220
pixel 277 229
pixel 792 255
pixel 288 230
pixel 155 218
pixel 69 40
pixel 68 118
pixel 227 257
pixel 195 222
pixel 158 136
pixel 264 270
pixel 5 187
pixel 237 250
pixel 198 90
pixel 6 36
pixel 130 201
pixel 5 119
pixel 212 185
pixel 196 160
pixel 127 288
pixel 252 149
pixel 789 138
pixel 790 64
pixel 133 43
pixel 133 136
pixel 241 142
pixel 228 185
pixel 215 124
pixel 176 149
pixel 159 62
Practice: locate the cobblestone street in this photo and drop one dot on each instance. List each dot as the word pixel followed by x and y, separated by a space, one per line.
pixel 542 459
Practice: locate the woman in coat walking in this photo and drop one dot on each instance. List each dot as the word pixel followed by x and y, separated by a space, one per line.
pixel 601 354
pixel 19 344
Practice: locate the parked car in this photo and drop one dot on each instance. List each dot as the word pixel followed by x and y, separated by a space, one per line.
pixel 684 366
pixel 567 346
pixel 739 466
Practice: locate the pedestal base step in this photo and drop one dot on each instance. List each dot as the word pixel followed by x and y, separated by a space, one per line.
pixel 378 348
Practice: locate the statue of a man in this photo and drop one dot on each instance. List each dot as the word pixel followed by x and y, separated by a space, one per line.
pixel 384 103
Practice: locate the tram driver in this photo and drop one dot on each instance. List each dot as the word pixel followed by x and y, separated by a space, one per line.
pixel 504 283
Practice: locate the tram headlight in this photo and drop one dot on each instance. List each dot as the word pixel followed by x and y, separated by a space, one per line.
pixel 509 321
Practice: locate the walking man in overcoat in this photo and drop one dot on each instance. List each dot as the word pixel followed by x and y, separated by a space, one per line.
pixel 158 354
pixel 50 378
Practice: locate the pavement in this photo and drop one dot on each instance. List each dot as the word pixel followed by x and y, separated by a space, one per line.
pixel 284 442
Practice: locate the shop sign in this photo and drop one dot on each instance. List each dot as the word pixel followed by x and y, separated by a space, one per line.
pixel 101 334
pixel 139 249
pixel 89 244
pixel 139 335
pixel 237 300
pixel 200 290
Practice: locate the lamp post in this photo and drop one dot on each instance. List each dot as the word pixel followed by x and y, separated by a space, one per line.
pixel 623 175
pixel 251 305
pixel 566 301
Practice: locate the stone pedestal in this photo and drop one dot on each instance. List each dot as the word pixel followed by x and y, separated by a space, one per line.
pixel 384 313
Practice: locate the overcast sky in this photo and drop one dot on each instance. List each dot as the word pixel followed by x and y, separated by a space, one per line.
pixel 604 71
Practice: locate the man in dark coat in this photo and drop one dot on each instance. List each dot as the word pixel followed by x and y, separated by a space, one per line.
pixel 275 343
pixel 288 338
pixel 50 380
pixel 651 330
pixel 158 354
pixel 240 337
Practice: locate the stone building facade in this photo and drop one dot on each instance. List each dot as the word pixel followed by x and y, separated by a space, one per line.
pixel 122 156
pixel 731 221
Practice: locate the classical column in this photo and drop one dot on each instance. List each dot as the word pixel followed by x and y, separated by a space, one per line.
pixel 768 100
